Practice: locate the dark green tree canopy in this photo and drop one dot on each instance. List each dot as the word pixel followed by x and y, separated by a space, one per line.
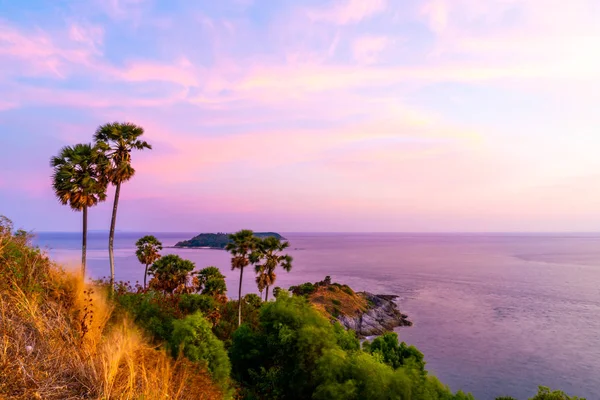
pixel 170 273
pixel 78 176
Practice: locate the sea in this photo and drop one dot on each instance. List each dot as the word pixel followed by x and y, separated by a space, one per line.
pixel 494 314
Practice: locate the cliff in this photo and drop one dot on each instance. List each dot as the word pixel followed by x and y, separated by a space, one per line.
pixel 366 313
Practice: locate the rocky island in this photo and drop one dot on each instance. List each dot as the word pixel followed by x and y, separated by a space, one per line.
pixel 218 240
pixel 366 313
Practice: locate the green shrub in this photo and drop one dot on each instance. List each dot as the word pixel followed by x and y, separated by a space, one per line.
pixel 303 290
pixel 192 303
pixel 336 302
pixel 153 311
pixel 348 290
pixel 394 354
pixel 193 337
pixel 545 393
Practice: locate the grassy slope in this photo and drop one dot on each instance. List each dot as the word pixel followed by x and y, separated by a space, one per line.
pixel 59 339
pixel 334 300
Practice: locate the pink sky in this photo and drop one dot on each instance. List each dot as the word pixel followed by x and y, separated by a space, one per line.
pixel 346 115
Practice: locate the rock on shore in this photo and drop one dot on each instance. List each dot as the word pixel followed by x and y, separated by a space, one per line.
pixel 381 316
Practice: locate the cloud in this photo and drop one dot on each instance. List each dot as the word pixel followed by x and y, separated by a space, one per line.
pixel 90 35
pixel 309 111
pixel 344 12
pixel 180 72
pixel 121 9
pixel 366 49
pixel 40 53
pixel 7 105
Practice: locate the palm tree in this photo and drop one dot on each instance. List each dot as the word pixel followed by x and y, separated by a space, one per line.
pixel 269 250
pixel 171 273
pixel 147 252
pixel 119 139
pixel 78 180
pixel 261 279
pixel 242 248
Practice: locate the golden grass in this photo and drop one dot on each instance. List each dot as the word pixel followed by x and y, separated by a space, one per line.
pixel 331 300
pixel 59 339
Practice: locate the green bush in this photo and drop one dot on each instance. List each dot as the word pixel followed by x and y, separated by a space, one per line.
pixel 545 393
pixel 192 303
pixel 153 311
pixel 394 354
pixel 303 290
pixel 348 290
pixel 193 337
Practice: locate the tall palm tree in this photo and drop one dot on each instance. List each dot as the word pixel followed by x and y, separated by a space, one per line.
pixel 242 248
pixel 119 139
pixel 78 180
pixel 269 250
pixel 147 252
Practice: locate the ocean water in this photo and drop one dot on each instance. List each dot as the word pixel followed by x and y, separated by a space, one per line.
pixel 495 314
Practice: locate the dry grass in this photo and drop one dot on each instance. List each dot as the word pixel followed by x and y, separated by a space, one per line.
pixel 333 300
pixel 58 340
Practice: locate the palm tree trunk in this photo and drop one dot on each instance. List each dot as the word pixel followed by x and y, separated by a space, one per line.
pixel 240 298
pixel 111 237
pixel 84 242
pixel 145 275
pixel 267 295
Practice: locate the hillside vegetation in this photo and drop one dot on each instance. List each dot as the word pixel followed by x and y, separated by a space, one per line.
pixel 61 338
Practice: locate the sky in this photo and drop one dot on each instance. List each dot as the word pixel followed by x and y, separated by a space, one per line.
pixel 340 115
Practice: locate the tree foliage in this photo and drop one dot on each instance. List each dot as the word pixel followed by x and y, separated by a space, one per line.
pixel 295 353
pixel 545 393
pixel 210 281
pixel 119 139
pixel 170 273
pixel 148 251
pixel 394 354
pixel 269 257
pixel 78 176
pixel 193 337
pixel 79 180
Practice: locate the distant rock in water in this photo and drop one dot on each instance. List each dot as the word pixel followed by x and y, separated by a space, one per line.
pixel 366 313
pixel 218 240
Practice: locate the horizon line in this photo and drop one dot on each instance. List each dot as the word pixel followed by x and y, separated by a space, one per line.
pixel 332 232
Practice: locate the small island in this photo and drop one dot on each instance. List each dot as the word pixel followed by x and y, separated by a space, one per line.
pixel 218 240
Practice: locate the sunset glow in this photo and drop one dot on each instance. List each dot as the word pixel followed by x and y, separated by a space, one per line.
pixel 351 115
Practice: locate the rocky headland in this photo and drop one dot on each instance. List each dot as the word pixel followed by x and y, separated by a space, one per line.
pixel 366 313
